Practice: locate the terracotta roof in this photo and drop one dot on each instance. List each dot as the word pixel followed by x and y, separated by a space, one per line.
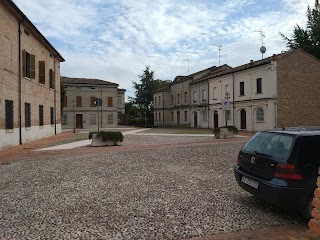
pixel 253 64
pixel 86 81
pixel 213 72
pixel 23 18
pixel 121 90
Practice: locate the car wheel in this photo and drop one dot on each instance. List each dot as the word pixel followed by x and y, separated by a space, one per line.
pixel 306 212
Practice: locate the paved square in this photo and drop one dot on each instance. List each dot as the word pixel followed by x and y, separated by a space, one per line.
pixel 151 187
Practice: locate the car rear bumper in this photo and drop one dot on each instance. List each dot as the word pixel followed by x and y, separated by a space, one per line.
pixel 280 195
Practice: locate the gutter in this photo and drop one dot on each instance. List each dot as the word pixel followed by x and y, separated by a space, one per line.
pixel 19 81
pixel 55 96
pixel 208 105
pixel 233 122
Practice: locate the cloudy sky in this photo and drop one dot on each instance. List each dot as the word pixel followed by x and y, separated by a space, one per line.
pixel 114 40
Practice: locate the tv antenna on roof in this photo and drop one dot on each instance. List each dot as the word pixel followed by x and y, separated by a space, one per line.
pixel 219 46
pixel 263 49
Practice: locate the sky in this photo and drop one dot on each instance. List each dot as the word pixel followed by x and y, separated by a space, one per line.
pixel 114 40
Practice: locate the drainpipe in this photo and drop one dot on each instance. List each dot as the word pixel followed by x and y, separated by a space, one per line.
pixel 208 104
pixel 162 108
pixel 233 99
pixel 19 81
pixel 55 95
pixel 101 105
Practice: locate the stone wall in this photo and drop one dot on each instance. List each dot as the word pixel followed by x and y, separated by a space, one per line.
pixel 314 223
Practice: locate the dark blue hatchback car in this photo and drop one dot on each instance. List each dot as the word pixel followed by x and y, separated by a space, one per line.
pixel 281 167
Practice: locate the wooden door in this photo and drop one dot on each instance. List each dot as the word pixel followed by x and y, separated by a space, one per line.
pixel 215 119
pixel 243 119
pixel 79 121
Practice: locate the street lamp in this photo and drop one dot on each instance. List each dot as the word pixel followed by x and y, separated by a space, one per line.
pixel 227 97
pixel 74 124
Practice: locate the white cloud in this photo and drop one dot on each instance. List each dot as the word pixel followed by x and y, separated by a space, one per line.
pixel 115 39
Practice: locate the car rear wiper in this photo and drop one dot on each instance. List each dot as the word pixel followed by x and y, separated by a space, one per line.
pixel 262 154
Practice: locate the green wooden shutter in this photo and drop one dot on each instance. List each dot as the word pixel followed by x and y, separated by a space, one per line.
pixel 32 66
pixel 42 72
pixel 53 80
pixel 9 114
pixel 24 58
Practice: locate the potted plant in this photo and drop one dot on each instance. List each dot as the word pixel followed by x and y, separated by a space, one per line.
pixel 225 132
pixel 105 138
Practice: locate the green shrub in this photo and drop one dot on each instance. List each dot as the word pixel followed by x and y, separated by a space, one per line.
pixel 216 131
pixel 108 135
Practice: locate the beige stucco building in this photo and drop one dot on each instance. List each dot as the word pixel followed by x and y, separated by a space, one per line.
pixel 279 90
pixel 80 108
pixel 29 80
pixel 184 102
pixel 268 93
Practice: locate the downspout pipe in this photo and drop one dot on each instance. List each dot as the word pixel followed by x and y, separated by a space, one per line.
pixel 233 122
pixel 19 82
pixel 162 108
pixel 208 104
pixel 55 96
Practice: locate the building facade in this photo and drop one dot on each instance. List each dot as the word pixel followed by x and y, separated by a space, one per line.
pixel 29 80
pixel 90 103
pixel 281 90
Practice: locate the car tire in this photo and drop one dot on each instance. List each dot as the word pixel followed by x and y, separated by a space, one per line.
pixel 306 212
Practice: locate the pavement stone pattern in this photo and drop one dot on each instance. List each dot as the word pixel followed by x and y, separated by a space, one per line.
pixel 151 187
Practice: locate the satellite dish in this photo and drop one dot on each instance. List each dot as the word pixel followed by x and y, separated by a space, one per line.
pixel 263 49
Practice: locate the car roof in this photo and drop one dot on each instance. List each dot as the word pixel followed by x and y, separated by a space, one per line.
pixel 297 130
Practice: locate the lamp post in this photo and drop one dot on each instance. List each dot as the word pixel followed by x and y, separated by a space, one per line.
pixel 226 97
pixel 74 124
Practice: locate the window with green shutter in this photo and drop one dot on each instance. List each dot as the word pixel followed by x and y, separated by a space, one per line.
pixel 51 116
pixel 52 79
pixel 27 114
pixel 40 115
pixel 42 72
pixel 9 114
pixel 28 65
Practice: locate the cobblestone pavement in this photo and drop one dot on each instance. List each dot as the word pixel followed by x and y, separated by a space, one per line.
pixel 151 187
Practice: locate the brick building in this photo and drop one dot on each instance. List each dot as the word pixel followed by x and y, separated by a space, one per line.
pixel 279 90
pixel 29 80
pixel 80 108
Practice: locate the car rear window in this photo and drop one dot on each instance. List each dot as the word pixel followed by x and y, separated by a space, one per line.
pixel 275 145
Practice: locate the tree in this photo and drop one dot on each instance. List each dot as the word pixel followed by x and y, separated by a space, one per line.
pixel 144 91
pixel 308 39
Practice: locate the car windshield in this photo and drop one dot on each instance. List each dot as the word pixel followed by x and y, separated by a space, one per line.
pixel 275 145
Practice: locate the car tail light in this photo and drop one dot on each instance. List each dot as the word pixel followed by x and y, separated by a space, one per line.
pixel 287 171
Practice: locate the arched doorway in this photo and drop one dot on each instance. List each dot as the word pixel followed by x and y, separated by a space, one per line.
pixel 195 119
pixel 243 119
pixel 215 119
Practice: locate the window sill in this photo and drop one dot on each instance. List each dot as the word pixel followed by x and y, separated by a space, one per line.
pixel 259 93
pixel 214 98
pixel 41 84
pixel 27 78
pixel 260 122
pixel 41 126
pixel 27 128
pixel 9 130
pixel 242 95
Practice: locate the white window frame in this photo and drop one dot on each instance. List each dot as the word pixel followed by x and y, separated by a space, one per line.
pixel 259 115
